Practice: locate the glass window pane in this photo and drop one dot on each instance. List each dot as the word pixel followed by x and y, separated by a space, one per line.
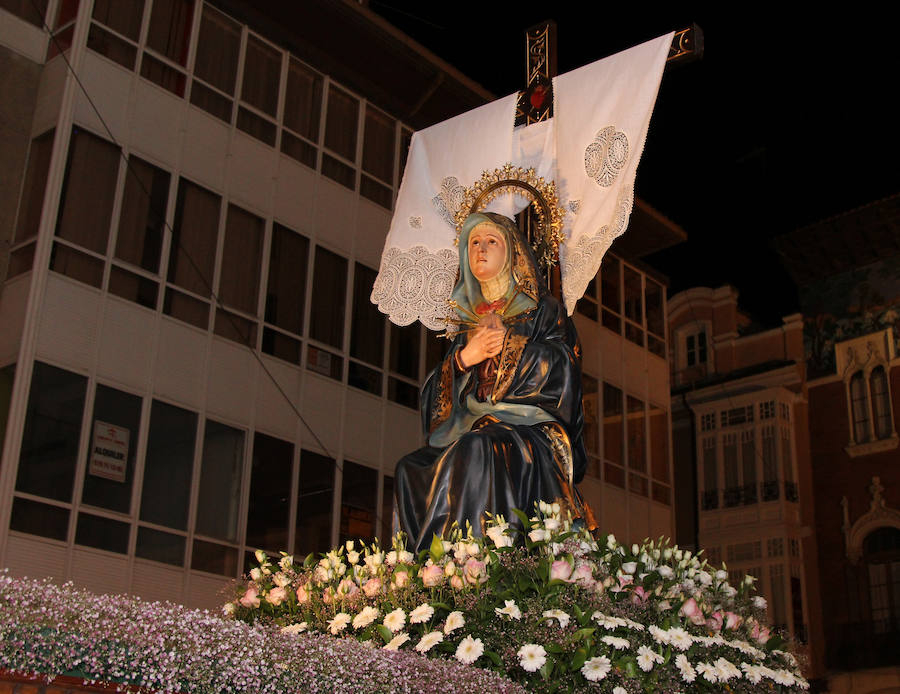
pixel 39 519
pixel 613 437
pixel 166 489
pixel 655 316
pixel 403 393
pixel 214 559
pixel 7 376
pixel 133 287
pixel 193 253
pixel 303 102
pixel 860 404
pixel 32 11
pixel 609 283
pixel 270 493
pixel 315 497
pixel 220 481
pixel 241 260
pixel 102 533
pixel 89 186
pixel 881 402
pixel 112 450
pixel 364 378
pixel 327 312
pixel 634 310
pixel 358 502
pixel 257 126
pixel 163 74
pixel 378 145
pixel 387 510
pixel 170 28
pixel 143 217
pixel 124 16
pixel 637 447
pixel 591 400
pixel 218 46
pixel 404 357
pixel 367 325
pixel 262 74
pixel 341 123
pixel 659 443
pixel 286 294
pixel 159 546
pixel 108 44
pixel 52 429
pixel 33 188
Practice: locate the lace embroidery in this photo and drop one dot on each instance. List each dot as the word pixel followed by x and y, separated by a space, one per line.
pixel 574 206
pixel 415 222
pixel 415 285
pixel 447 202
pixel 443 399
pixel 513 346
pixel 606 155
pixel 581 261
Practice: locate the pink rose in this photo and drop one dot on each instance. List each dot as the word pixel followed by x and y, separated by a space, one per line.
pixel 732 620
pixel 277 595
pixel 714 623
pixel 401 578
pixel 250 598
pixel 692 611
pixel 456 582
pixel 639 595
pixel 583 575
pixel 328 595
pixel 372 587
pixel 346 587
pixel 560 570
pixel 432 575
pixel 760 633
pixel 302 594
pixel 475 571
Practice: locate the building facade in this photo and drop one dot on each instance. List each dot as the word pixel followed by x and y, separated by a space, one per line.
pixel 190 367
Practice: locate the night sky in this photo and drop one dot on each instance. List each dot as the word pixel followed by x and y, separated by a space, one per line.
pixel 785 120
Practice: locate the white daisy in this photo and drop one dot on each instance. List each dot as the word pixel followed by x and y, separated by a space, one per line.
pixel 454 621
pixel 421 614
pixel 660 635
pixel 596 669
pixel 469 650
pixel 680 638
pixel 429 641
pixel 558 615
pixel 510 609
pixel 367 615
pixel 688 673
pixel 532 657
pixel 708 671
pixel 726 670
pixel 616 642
pixel 753 673
pixel 298 628
pixel 397 641
pixel 395 620
pixel 647 658
pixel 339 623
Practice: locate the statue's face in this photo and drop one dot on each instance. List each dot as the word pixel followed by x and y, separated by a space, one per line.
pixel 487 251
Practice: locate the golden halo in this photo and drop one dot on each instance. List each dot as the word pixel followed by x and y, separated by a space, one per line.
pixel 513 180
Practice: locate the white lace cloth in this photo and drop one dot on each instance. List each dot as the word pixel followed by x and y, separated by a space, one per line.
pixel 591 148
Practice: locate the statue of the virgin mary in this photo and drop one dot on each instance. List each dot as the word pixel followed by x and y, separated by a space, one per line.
pixel 503 409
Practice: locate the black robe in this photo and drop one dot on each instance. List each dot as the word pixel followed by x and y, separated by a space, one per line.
pixel 521 445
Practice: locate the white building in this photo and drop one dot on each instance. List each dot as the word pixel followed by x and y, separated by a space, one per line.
pixel 195 198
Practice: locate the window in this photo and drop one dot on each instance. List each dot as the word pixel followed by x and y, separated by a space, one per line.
pixel 591 404
pixel 637 446
pixel 168 36
pixel 654 298
pixel 341 125
pixel 864 363
pixel 881 553
pixel 268 511
pixel 587 304
pixel 748 470
pixel 302 113
pixel 403 363
pixel 239 276
pixel 387 510
pixel 85 209
pixel 358 503
pixel 192 254
pixel 634 306
pixel 63 27
pixel 140 235
pixel 659 453
pixel 695 349
pixel 790 486
pixel 285 293
pixel 115 30
pixel 315 499
pixel 366 334
pixel 32 11
pixel 379 142
pixel 770 488
pixel 613 435
pixel 216 64
pixel 259 90
pixel 881 403
pixel 732 496
pixel 710 497
pixel 326 316
pixel 860 407
pixel 21 257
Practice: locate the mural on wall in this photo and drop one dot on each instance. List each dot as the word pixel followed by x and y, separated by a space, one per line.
pixel 850 304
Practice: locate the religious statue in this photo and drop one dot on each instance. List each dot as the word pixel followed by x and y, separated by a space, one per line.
pixel 502 412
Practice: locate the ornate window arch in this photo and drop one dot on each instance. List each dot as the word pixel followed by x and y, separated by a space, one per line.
pixel 864 363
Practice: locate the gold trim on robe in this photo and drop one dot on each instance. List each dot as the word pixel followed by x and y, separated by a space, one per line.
pixel 513 346
pixel 443 401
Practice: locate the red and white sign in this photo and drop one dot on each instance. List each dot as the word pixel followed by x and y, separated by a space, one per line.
pixel 109 451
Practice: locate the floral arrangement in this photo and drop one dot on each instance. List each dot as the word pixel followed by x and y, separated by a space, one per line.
pixel 50 630
pixel 548 606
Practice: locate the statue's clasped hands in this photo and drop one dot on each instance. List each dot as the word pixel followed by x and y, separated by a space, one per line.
pixel 485 342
